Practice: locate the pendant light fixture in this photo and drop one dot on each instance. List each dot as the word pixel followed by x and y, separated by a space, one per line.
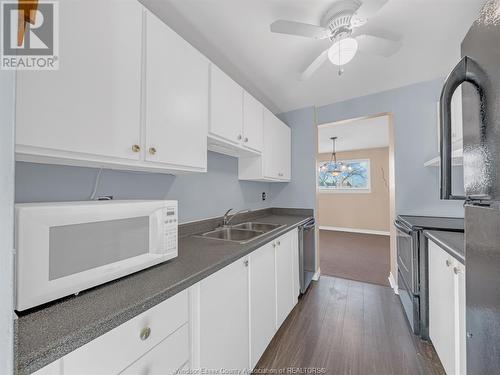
pixel 338 167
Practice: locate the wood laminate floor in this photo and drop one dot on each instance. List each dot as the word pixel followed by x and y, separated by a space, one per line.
pixel 348 327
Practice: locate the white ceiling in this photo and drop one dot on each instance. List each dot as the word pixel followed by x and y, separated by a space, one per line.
pixel 235 35
pixel 355 134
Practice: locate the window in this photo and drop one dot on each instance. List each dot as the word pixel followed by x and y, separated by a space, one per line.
pixel 352 176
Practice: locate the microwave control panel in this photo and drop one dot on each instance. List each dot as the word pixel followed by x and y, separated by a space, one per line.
pixel 170 220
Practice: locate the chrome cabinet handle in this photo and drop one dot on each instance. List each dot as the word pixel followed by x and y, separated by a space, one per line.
pixel 136 148
pixel 152 150
pixel 145 333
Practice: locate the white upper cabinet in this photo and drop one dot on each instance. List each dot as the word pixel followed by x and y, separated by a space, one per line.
pixel 275 162
pixel 89 109
pixel 253 122
pixel 226 107
pixel 133 97
pixel 277 148
pixel 176 99
pixel 235 117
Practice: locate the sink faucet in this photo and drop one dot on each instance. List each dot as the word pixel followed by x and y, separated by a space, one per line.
pixel 226 219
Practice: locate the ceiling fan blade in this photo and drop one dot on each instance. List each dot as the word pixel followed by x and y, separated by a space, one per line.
pixel 369 7
pixel 318 61
pixel 299 29
pixel 377 45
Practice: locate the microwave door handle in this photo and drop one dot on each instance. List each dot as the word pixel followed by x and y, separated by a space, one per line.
pixel 467 70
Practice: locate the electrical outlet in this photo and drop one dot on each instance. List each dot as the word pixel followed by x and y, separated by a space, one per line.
pixel 263 195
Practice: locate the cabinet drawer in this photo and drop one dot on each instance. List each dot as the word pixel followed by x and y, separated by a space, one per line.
pixel 165 358
pixel 114 351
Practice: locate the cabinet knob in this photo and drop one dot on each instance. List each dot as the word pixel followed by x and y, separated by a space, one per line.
pixel 145 333
pixel 245 139
pixel 245 263
pixel 456 270
pixel 152 150
pixel 448 263
pixel 136 148
pixel 278 243
pixel 239 137
pixel 274 244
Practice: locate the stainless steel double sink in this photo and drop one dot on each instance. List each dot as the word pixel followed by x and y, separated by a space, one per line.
pixel 242 233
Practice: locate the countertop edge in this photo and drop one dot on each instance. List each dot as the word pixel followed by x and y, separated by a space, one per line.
pixel 27 365
pixel 444 245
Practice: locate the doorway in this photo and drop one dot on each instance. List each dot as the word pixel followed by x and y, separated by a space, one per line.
pixel 355 198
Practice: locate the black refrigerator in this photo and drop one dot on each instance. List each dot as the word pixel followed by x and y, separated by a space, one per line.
pixel 479 71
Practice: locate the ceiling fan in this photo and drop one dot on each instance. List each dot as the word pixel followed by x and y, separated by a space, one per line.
pixel 341 25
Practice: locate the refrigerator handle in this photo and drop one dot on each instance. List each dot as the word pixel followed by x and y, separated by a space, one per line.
pixel 467 70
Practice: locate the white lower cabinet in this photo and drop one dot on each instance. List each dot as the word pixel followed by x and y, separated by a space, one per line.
pixel 165 358
pixel 225 321
pixel 223 313
pixel 262 301
pixel 285 285
pixel 447 309
pixel 114 351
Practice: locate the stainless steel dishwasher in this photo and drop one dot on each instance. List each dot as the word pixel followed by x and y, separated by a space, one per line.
pixel 307 253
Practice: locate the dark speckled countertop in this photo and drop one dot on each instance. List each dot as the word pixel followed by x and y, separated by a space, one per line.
pixel 451 242
pixel 52 331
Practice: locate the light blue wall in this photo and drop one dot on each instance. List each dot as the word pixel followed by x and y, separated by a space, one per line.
pixel 7 79
pixel 415 124
pixel 200 195
pixel 300 192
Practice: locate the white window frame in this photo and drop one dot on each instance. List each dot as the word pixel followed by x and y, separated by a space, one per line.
pixel 367 190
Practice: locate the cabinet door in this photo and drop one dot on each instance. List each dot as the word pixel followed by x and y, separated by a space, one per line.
pixel 442 306
pixel 461 332
pixel 285 152
pixel 262 301
pixel 91 105
pixel 284 278
pixel 223 317
pixel 165 358
pixel 176 99
pixel 226 107
pixel 270 153
pixel 296 266
pixel 253 119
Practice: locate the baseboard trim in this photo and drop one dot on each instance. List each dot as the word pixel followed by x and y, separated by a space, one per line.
pixel 355 230
pixel 392 281
pixel 317 275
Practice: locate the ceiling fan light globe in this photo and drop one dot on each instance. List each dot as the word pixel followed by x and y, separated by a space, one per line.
pixel 343 51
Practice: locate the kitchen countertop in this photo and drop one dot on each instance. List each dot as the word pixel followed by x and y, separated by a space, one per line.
pixel 452 242
pixel 49 332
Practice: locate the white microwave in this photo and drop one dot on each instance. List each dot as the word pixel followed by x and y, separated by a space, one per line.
pixel 63 248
